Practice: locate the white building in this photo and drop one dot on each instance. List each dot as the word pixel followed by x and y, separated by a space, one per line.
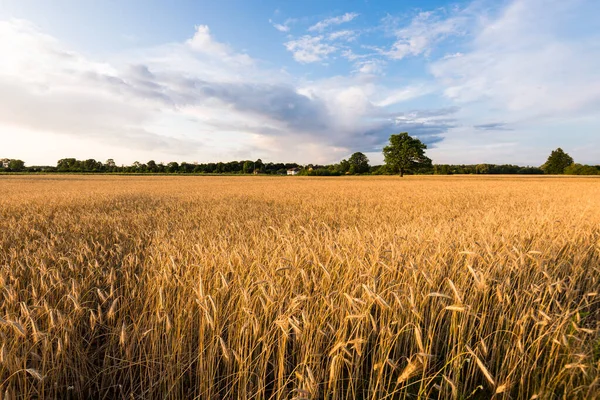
pixel 293 171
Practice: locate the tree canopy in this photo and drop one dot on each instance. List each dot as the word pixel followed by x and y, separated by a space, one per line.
pixel 557 162
pixel 359 163
pixel 405 153
pixel 16 165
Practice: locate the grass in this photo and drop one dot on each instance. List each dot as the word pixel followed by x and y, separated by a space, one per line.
pixel 304 288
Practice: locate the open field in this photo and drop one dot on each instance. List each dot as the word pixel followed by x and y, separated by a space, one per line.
pixel 290 287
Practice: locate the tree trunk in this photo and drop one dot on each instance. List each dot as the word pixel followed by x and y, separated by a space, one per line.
pixel 401 172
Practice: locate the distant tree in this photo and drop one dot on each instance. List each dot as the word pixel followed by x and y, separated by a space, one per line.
pixel 258 166
pixel 482 169
pixel 186 167
pixel 152 167
pixel 378 170
pixel 90 165
pixel 359 163
pixel 68 165
pixel 557 162
pixel 578 169
pixel 442 169
pixel 16 165
pixel 344 166
pixel 530 171
pixel 247 167
pixel 172 167
pixel 405 153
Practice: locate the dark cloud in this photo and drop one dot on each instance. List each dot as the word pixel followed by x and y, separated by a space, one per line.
pixel 494 126
pixel 277 102
pixel 280 103
pixel 375 137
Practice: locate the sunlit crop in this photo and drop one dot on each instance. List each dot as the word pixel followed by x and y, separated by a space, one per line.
pixel 305 288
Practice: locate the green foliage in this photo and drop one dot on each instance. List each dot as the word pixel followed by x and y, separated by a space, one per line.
pixel 16 165
pixel 359 163
pixel 579 169
pixel 68 165
pixel 319 172
pixel 343 167
pixel 485 169
pixel 378 170
pixel 172 167
pixel 530 171
pixel 151 166
pixel 405 153
pixel 247 167
pixel 557 162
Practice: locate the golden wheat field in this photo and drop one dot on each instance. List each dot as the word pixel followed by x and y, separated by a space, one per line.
pixel 303 288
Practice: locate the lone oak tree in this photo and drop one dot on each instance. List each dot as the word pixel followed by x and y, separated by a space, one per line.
pixel 405 153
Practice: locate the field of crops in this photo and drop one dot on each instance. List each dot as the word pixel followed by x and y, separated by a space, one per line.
pixel 295 287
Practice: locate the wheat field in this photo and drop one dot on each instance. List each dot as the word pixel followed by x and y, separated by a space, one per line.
pixel 299 288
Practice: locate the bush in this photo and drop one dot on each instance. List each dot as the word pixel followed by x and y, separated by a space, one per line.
pixel 530 171
pixel 319 172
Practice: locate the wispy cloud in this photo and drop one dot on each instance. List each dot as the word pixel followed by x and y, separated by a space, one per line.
pixel 281 28
pixel 369 67
pixel 322 25
pixel 403 94
pixel 493 126
pixel 518 63
pixel 309 49
pixel 285 27
pixel 533 65
pixel 424 31
pixel 347 35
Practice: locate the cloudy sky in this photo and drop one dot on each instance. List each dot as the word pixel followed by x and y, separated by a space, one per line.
pixel 305 81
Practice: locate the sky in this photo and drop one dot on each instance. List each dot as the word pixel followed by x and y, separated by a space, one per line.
pixel 311 81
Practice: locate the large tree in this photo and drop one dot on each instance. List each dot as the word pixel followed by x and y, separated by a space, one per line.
pixel 16 165
pixel 247 167
pixel 359 163
pixel 557 162
pixel 405 153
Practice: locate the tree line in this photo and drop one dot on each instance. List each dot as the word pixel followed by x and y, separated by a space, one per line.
pixel 403 155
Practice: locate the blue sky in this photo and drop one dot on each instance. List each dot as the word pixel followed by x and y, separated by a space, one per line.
pixel 305 81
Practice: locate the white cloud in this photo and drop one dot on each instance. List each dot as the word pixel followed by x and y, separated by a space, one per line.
pixel 519 64
pixel 322 25
pixel 281 28
pixel 425 30
pixel 347 35
pixel 203 42
pixel 536 68
pixel 308 49
pixel 285 27
pixel 395 96
pixel 370 67
pixel 352 56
